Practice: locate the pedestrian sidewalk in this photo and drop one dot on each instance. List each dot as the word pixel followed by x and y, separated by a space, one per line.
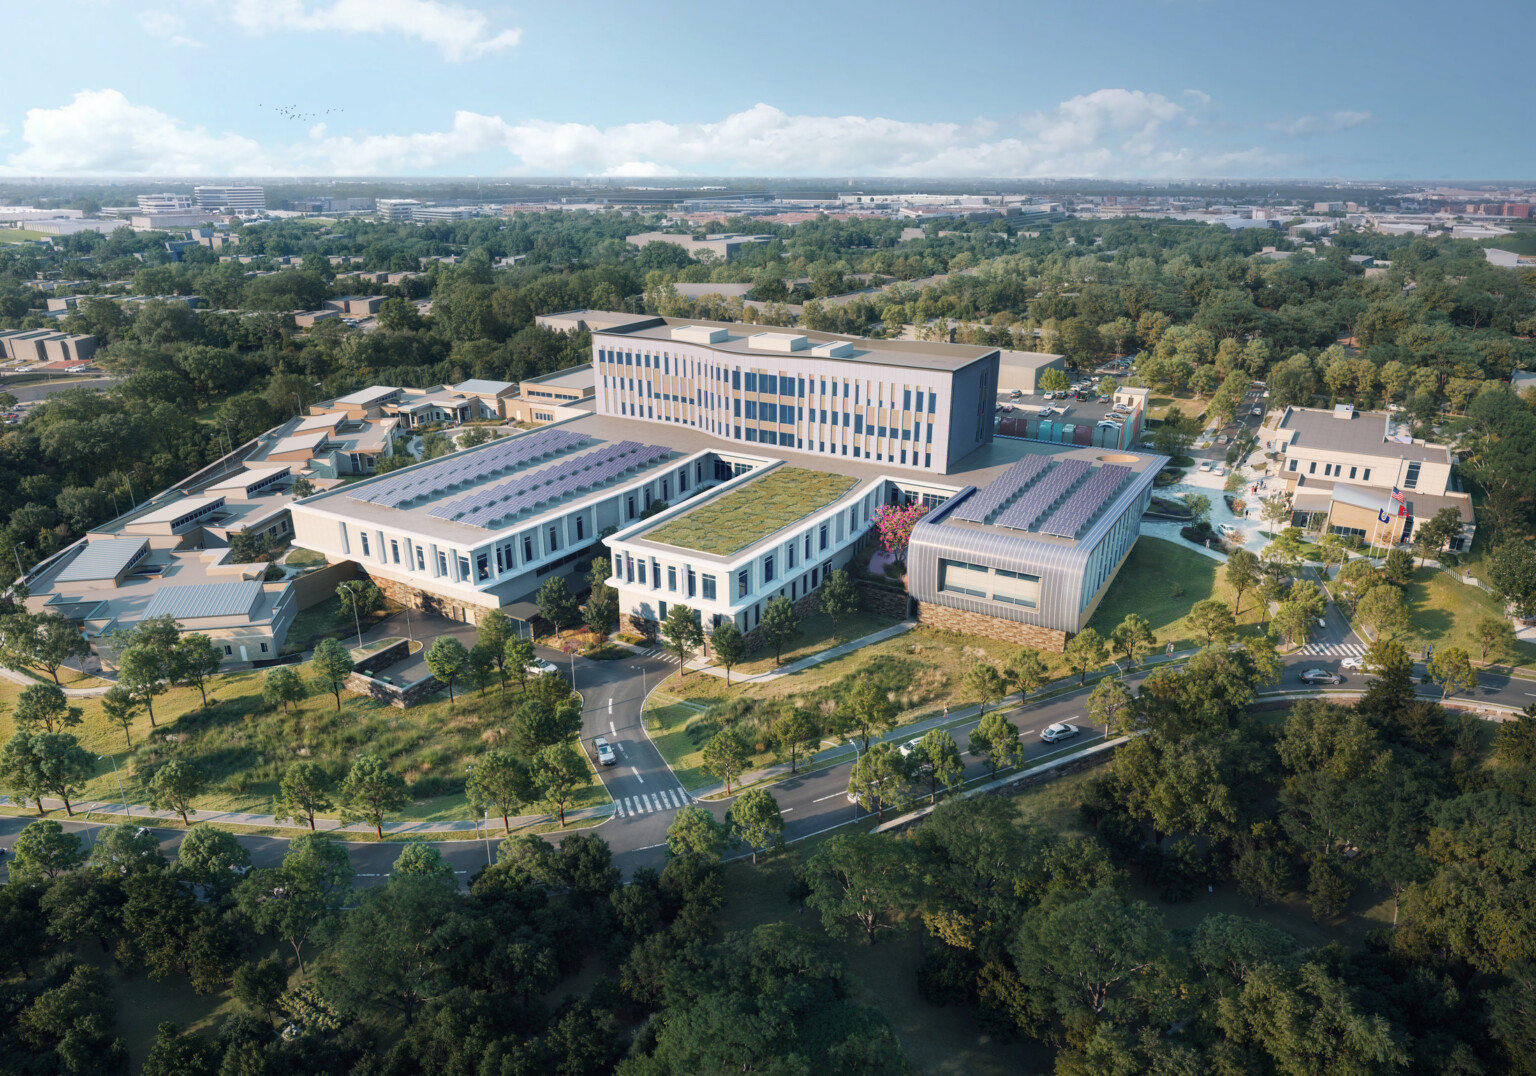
pixel 149 815
pixel 71 692
pixel 703 666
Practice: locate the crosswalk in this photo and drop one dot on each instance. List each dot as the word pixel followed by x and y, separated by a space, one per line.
pixel 653 651
pixel 648 802
pixel 1333 650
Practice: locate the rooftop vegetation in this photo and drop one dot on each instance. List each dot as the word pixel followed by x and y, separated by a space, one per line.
pixel 750 513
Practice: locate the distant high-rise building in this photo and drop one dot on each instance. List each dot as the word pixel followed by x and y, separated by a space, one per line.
pixel 164 203
pixel 397 208
pixel 237 198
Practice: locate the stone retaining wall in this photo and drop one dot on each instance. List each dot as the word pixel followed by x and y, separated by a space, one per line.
pixel 402 698
pixel 883 600
pixel 990 627
pixel 383 659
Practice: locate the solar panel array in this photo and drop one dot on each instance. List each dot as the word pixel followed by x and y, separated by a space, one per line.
pixel 1043 497
pixel 1076 514
pixel 486 507
pixel 499 457
pixel 989 498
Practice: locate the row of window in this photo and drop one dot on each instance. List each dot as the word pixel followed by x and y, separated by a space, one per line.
pixel 994 584
pixel 1336 470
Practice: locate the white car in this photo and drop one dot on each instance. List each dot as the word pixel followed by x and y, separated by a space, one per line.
pixel 539 667
pixel 1015 394
pixel 1206 466
pixel 1046 412
pixel 1353 663
pixel 1219 471
pixel 604 751
pixel 907 748
pixel 1257 412
pixel 1059 731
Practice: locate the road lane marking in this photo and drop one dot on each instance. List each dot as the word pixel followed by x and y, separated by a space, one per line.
pixel 637 775
pixel 785 810
pixel 831 797
pixel 611 730
pixel 610 704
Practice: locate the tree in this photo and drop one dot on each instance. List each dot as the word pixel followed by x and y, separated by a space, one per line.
pixel 446 658
pixel 1212 619
pixel 725 756
pixel 43 851
pixel 1085 953
pixel 498 779
pixel 212 858
pixel 294 901
pixel 1199 506
pixel 1085 652
pixel 520 657
pixel 1494 633
pixel 1451 668
pixel 602 610
pixel 983 679
pixel 258 985
pixel 868 710
pixel 1383 611
pixel 246 547
pixel 174 786
pixel 793 731
pixel 1431 535
pixel 893 526
pixel 1288 548
pixel 1515 742
pixel 557 604
pixel 683 634
pixel 360 599
pixel 1294 621
pixel 729 646
pixel 881 778
pixel 492 635
pixel 198 660
pixel 754 820
pixel 1277 509
pixel 1397 568
pixel 696 832
pixel 1054 380
pixel 34 763
pixel 1027 671
pixel 560 772
pixel 861 880
pixel 838 597
pixel 332 664
pixel 302 487
pixel 780 626
pixel 938 759
pixel 140 671
pixel 52 640
pixel 1133 637
pixel 422 859
pixel 371 792
pixel 1512 575
pixel 304 790
pixel 996 739
pixel 283 685
pixel 47 706
pixel 1174 434
pixel 1108 701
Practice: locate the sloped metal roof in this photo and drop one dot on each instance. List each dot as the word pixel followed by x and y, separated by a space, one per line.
pixel 197 600
pixel 102 558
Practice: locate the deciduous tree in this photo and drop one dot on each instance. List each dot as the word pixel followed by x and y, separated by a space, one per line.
pixel 725 756
pixel 371 792
pixel 560 772
pixel 696 832
pixel 198 660
pixel 33 764
pixel 304 790
pixel 729 646
pixel 780 625
pixel 683 634
pixel 43 851
pixel 795 731
pixel 838 596
pixel 174 786
pixel 498 779
pixel 332 664
pixel 1212 620
pixel 754 820
pixel 985 682
pixel 868 710
pixel 996 739
pixel 1451 668
pixel 938 761
pixel 1133 637
pixel 881 778
pixel 557 604
pixel 446 658
pixel 45 706
pixel 1085 652
pixel 283 685
pixel 863 881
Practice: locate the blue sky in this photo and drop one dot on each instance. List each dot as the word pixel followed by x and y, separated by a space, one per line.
pixel 1120 88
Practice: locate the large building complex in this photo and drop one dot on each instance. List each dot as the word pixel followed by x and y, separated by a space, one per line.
pixel 1343 467
pixel 236 197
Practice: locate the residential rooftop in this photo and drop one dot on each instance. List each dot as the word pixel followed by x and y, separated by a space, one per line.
pixel 1368 433
pixel 732 521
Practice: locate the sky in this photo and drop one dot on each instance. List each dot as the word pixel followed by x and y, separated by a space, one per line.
pixel 1155 89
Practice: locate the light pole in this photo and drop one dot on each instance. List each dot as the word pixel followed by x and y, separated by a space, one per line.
pixel 127 806
pixel 356 620
pixel 487 836
pixel 854 743
pixel 642 682
pixel 573 670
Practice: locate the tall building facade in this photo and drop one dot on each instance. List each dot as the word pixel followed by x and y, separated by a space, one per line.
pixel 238 197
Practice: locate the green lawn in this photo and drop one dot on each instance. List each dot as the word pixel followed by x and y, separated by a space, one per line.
pixel 304 558
pixel 1162 581
pixel 324 620
pixel 815 636
pixel 20 235
pixel 1446 611
pixel 725 524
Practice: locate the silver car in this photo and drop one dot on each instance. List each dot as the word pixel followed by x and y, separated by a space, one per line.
pixel 1058 732
pixel 604 751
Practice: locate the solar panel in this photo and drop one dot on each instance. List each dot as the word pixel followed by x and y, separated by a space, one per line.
pixel 527 492
pixel 1043 497
pixel 1086 503
pixel 499 456
pixel 989 498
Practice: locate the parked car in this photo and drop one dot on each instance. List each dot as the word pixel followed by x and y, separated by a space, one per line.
pixel 1223 439
pixel 1106 425
pixel 1058 732
pixel 1206 466
pixel 1047 412
pixel 1015 394
pixel 1321 676
pixel 1050 395
pixel 604 751
pixel 1219 471
pixel 1103 398
pixel 1082 396
pixel 538 667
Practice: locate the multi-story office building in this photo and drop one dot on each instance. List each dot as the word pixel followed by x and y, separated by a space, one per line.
pixel 164 203
pixel 899 403
pixel 236 197
pixel 397 209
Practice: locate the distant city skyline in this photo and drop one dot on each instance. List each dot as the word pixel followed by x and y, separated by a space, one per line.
pixel 1131 89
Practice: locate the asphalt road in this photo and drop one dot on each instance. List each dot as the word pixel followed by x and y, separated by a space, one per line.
pixel 32 391
pixel 647 795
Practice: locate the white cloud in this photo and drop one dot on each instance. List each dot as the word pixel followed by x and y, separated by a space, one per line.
pixel 157 22
pixel 459 33
pixel 1107 132
pixel 1333 121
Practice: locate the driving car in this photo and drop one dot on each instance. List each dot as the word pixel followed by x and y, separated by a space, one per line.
pixel 1257 412
pixel 1223 439
pixel 1103 398
pixel 538 667
pixel 910 746
pixel 1355 663
pixel 1321 622
pixel 604 751
pixel 1321 676
pixel 1061 730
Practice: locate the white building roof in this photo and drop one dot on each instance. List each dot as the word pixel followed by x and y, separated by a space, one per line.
pixel 369 394
pixel 477 386
pixel 176 509
pixel 201 600
pixel 101 558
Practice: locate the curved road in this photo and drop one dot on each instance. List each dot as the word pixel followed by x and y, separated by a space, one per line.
pixel 647 794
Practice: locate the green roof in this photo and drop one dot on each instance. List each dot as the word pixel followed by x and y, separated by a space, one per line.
pixel 752 512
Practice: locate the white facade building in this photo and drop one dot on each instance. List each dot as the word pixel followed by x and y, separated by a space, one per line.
pixel 237 197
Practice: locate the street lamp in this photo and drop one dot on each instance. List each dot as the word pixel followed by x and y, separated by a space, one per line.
pixel 573 670
pixel 352 600
pixel 854 743
pixel 642 682
pixel 487 836
pixel 119 777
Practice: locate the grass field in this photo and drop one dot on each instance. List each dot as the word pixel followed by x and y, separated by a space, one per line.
pixel 1446 611
pixel 1162 581
pixel 20 235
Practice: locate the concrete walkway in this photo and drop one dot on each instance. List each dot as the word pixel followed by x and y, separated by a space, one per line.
pixel 328 825
pixel 700 665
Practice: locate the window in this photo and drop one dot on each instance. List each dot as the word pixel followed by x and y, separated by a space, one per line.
pixel 264 648
pixel 1352 471
pixel 442 563
pixel 743 583
pixel 807 546
pixel 957 577
pixel 692 583
pixel 463 566
pixel 1366 476
pixel 751 384
pixel 672 577
pixel 527 548
pixel 554 538
pixel 789 557
pixel 629 506
pixel 229 651
pixel 394 550
pixel 823 536
pixel 421 560
pixel 661 608
pixel 580 528
pixel 1312 468
pixel 362 536
pixel 709 587
pixel 1294 464
pixel 1410 481
pixel 768 569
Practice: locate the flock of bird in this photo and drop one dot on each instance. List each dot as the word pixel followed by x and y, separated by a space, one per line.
pixel 292 113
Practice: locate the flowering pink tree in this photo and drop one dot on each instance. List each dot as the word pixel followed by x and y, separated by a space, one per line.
pixel 893 526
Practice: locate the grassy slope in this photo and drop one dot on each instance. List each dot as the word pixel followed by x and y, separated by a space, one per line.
pixel 1446 613
pixel 1162 581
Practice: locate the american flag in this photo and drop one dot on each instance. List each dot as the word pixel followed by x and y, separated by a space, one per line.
pixel 1397 494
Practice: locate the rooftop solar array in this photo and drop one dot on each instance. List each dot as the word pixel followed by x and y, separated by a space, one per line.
pixel 1044 496
pixel 487 507
pixel 989 498
pixel 1080 509
pixel 490 462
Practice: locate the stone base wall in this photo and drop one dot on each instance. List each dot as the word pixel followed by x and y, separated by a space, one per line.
pixel 884 601
pixel 416 598
pixel 383 659
pixel 402 698
pixel 809 605
pixel 991 627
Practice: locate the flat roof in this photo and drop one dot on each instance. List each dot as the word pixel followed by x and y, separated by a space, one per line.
pixel 328 421
pixel 915 354
pixel 575 377
pixel 752 511
pixel 101 558
pixel 247 478
pixel 478 385
pixel 176 509
pixel 306 442
pixel 200 600
pixel 369 394
pixel 1364 432
pixel 1030 359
